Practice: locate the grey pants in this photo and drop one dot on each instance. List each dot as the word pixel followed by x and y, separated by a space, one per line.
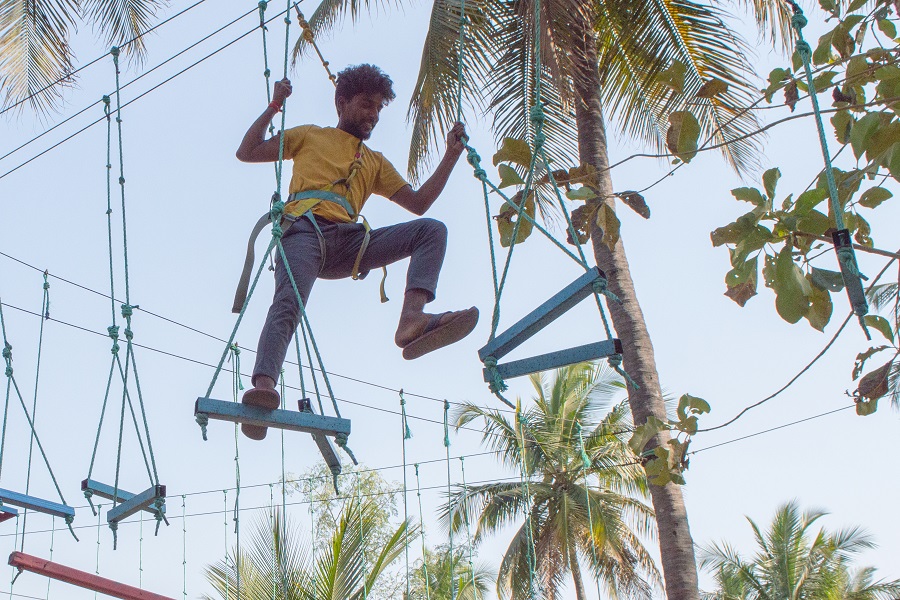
pixel 424 241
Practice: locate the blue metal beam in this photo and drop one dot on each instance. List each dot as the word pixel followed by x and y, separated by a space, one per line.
pixel 543 315
pixel 554 360
pixel 279 419
pixel 7 512
pixel 36 504
pixel 109 492
pixel 136 503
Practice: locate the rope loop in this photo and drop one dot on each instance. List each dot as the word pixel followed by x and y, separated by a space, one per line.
pixel 69 520
pixel 615 361
pixel 88 495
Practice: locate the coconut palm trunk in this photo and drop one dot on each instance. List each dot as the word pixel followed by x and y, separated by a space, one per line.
pixel 675 544
pixel 576 573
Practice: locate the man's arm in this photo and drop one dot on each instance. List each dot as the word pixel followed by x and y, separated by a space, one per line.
pixel 254 147
pixel 420 200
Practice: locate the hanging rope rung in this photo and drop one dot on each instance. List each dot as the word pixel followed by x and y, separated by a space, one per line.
pixel 152 500
pixel 36 504
pixel 307 422
pixel 95 488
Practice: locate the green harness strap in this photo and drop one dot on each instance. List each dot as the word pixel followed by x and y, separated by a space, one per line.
pixel 306 201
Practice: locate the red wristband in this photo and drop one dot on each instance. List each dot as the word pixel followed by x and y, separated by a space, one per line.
pixel 276 106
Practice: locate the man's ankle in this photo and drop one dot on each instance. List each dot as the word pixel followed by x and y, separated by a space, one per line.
pixel 263 381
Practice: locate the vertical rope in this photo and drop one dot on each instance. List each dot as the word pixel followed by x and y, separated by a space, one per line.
pixel 45 311
pixel 227 561
pixel 451 566
pixel 424 549
pixel 236 390
pixel 141 551
pixel 183 549
pixel 52 543
pixel 97 560
pixel 405 434
pixel 469 541
pixel 586 466
pixel 526 493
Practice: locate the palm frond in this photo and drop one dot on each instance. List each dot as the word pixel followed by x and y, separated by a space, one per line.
pixel 123 21
pixel 330 14
pixel 35 51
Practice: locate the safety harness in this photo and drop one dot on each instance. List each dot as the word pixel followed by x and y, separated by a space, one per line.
pixel 305 202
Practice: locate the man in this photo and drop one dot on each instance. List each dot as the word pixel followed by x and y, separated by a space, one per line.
pixel 324 241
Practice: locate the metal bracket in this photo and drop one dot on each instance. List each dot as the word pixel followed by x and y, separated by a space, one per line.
pixel 36 504
pixel 136 503
pixel 329 453
pixel 7 513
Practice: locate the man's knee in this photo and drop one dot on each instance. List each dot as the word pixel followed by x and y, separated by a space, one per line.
pixel 433 229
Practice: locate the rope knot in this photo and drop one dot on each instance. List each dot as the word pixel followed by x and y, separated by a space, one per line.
pixel 113 331
pixel 267 72
pixel 537 114
pixel 121 179
pixel 106 101
pixel 202 420
pixel 9 371
pixel 114 51
pixel 798 21
pixel 7 351
pixel 127 310
pixel 341 440
pixel 496 384
pixel 599 286
pixel 262 5
pixel 804 50
pixel 129 335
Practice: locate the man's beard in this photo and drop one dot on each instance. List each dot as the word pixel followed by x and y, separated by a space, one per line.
pixel 356 130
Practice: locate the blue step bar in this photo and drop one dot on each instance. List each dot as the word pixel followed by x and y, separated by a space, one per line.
pixel 537 320
pixel 47 507
pixel 321 427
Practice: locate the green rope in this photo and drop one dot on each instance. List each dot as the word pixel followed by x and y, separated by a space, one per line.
pixel 12 385
pixel 183 549
pixel 405 434
pixel 45 310
pixel 846 254
pixel 469 540
pixel 236 392
pixel 424 550
pixel 267 72
pixel 226 560
pixel 312 371
pixel 449 482
pixel 586 464
pixel 526 497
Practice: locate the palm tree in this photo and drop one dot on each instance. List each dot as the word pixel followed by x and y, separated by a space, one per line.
pixel 35 55
pixel 598 59
pixel 578 507
pixel 279 564
pixel 795 563
pixel 445 576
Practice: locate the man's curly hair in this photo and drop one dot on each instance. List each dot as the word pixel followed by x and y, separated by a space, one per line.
pixel 364 79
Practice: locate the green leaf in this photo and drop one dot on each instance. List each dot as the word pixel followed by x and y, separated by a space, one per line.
pixel 749 194
pixel 862 357
pixel 506 220
pixel 887 28
pixel 515 151
pixel 815 223
pixel 777 76
pixel 683 134
pixel 635 202
pixel 509 176
pixel 673 77
pixel 758 237
pixel 770 180
pixel 894 161
pixel 856 5
pixel 609 224
pixel 842 122
pixel 582 193
pixel 691 405
pixel 731 233
pixel 828 5
pixel 823 81
pixel 742 281
pixel 864 408
pixel 881 324
pixel 792 290
pixel 820 307
pixel 712 88
pixel 872 197
pixel 822 53
pixel 581 223
pixel 843 42
pixel 645 433
pixel 808 200
pixel 862 131
pixel 827 280
pixel 871 387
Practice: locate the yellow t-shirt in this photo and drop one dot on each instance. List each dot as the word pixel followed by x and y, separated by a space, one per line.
pixel 323 155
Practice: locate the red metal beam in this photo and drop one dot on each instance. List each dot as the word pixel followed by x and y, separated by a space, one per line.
pixel 81 579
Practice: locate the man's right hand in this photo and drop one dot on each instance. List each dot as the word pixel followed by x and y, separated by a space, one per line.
pixel 281 91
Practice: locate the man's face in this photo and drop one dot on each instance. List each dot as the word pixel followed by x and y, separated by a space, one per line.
pixel 359 115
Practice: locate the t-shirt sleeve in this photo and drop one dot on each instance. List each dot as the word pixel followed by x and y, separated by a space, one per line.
pixel 389 181
pixel 293 140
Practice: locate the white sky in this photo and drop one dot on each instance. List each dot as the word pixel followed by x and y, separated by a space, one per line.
pixel 190 207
